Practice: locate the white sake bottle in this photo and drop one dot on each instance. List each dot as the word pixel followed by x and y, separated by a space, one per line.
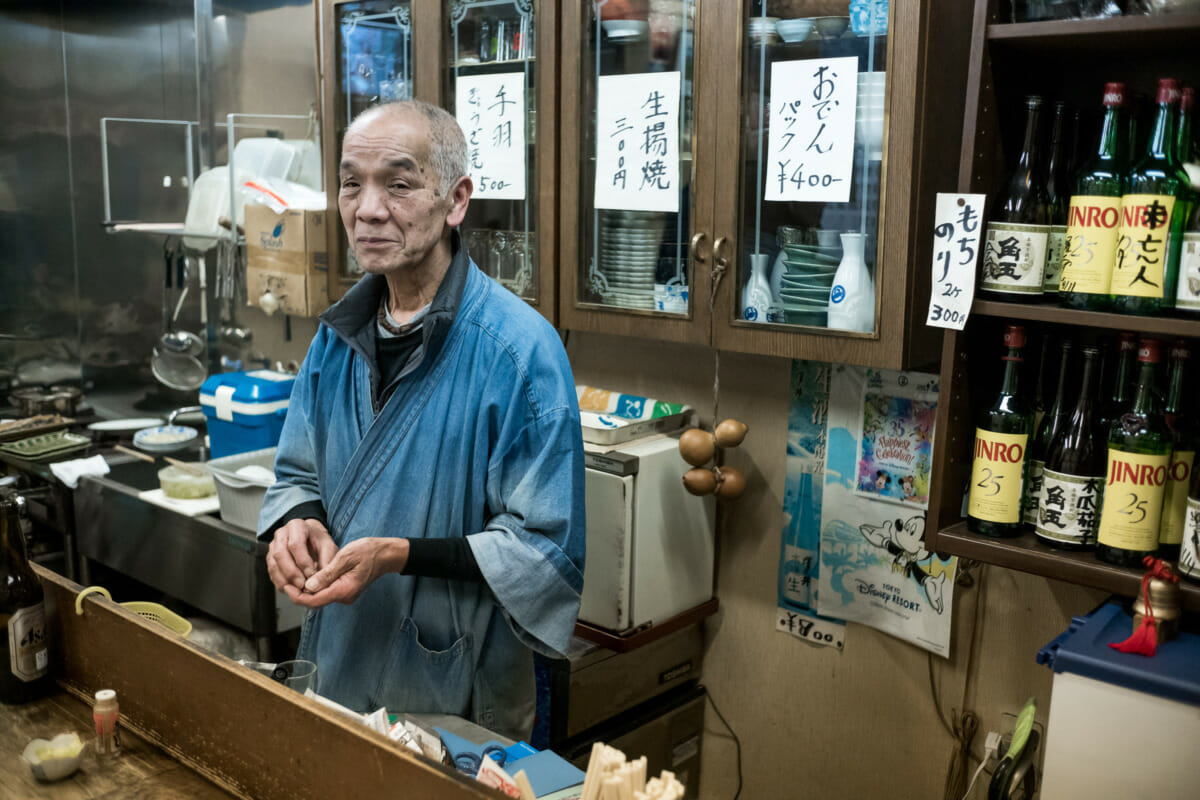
pixel 852 297
pixel 757 303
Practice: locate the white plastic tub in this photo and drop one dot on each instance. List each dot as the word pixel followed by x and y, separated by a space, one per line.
pixel 241 497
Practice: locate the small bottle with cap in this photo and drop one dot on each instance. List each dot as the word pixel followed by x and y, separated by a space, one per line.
pixel 107 714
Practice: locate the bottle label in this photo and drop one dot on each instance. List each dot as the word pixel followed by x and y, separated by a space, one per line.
pixel 1014 258
pixel 995 493
pixel 1188 294
pixel 1133 494
pixel 1189 548
pixel 1179 478
pixel 1069 508
pixel 1142 244
pixel 28 656
pixel 1055 246
pixel 1033 492
pixel 1093 223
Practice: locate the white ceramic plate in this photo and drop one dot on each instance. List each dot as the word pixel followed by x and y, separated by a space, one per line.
pixel 125 425
pixel 164 439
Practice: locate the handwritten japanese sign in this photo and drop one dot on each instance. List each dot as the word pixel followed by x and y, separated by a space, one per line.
pixel 810 147
pixel 491 111
pixel 1142 245
pixel 637 142
pixel 956 232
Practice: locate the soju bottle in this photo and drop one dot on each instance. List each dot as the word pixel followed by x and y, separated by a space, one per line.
pixel 1154 211
pixel 1121 395
pixel 1139 452
pixel 1183 455
pixel 1185 143
pixel 1014 253
pixel 1187 295
pixel 1094 216
pixel 1052 422
pixel 1001 439
pixel 1189 548
pixel 1058 199
pixel 1073 480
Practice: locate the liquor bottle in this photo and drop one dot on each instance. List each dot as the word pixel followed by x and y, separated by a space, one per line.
pixel 1121 395
pixel 1051 424
pixel 1077 154
pixel 1039 386
pixel 1001 439
pixel 1073 479
pixel 1153 214
pixel 1183 455
pixel 1185 144
pixel 1058 200
pixel 1139 451
pixel 1094 216
pixel 1014 254
pixel 1189 549
pixel 1187 293
pixel 24 664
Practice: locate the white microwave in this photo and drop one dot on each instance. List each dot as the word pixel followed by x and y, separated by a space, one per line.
pixel 649 542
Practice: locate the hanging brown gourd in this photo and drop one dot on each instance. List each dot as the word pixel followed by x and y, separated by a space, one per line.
pixel 698 447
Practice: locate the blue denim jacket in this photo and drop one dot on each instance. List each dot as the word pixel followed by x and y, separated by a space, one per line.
pixel 480 438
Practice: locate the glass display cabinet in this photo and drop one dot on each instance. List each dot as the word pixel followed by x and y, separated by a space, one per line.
pixel 492 81
pixel 802 169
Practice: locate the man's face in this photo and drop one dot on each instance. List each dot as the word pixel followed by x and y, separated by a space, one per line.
pixel 390 196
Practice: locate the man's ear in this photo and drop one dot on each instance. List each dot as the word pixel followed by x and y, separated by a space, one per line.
pixel 460 198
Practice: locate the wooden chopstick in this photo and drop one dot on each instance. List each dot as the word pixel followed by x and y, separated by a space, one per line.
pixel 120 448
pixel 186 466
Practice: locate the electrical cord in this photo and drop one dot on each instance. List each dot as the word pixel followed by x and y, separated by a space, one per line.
pixel 974 778
pixel 737 743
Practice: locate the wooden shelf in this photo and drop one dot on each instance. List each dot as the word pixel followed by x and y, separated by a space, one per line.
pixel 1134 33
pixel 1027 554
pixel 1162 326
pixel 638 637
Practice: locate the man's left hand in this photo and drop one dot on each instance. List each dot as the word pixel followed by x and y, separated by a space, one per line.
pixel 352 569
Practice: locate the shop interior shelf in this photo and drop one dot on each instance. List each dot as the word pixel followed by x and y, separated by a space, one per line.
pixel 1163 326
pixel 1026 554
pixel 1123 33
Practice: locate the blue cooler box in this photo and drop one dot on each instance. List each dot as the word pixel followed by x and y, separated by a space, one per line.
pixel 245 410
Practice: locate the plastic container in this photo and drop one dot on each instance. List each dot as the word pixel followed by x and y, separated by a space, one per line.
pixel 185 485
pixel 241 496
pixel 266 157
pixel 1104 700
pixel 207 203
pixel 245 410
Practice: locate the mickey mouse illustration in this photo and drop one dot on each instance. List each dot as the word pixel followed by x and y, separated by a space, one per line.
pixel 903 540
pixel 908 488
pixel 882 480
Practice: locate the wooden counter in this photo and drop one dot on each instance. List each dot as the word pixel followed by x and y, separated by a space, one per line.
pixel 140 771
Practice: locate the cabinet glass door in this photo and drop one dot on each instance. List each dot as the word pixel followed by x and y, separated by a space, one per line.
pixel 813 100
pixel 490 88
pixel 373 57
pixel 636 167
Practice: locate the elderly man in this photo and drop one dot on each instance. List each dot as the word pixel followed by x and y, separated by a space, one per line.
pixel 428 507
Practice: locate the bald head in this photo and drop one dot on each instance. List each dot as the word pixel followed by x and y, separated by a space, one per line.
pixel 447 145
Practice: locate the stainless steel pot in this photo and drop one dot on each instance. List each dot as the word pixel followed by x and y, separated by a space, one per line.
pixel 33 400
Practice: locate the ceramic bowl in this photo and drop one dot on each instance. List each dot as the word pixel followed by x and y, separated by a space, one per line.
pixel 794 30
pixel 831 27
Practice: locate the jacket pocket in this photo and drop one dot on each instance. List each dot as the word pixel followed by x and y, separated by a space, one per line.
pixel 420 680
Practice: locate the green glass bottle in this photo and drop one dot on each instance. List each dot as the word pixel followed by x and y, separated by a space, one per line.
pixel 1121 395
pixel 1183 454
pixel 1018 231
pixel 1094 216
pixel 1154 211
pixel 1073 480
pixel 1001 440
pixel 1185 143
pixel 1139 453
pixel 1051 424
pixel 1058 200
pixel 1189 548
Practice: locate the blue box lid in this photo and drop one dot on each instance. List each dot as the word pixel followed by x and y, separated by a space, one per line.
pixel 1172 672
pixel 261 391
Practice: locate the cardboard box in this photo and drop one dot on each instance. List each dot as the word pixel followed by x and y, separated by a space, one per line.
pixel 286 254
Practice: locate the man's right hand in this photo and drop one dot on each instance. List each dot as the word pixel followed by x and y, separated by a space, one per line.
pixel 299 549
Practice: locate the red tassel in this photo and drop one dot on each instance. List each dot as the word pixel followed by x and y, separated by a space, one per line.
pixel 1143 642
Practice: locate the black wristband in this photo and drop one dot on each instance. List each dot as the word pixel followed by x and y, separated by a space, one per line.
pixel 442 558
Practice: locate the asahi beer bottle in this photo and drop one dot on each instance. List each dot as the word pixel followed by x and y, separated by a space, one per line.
pixel 1073 479
pixel 1183 454
pixel 24 673
pixel 1139 453
pixel 1018 233
pixel 1049 428
pixel 1094 216
pixel 1001 439
pixel 1058 199
pixel 1154 212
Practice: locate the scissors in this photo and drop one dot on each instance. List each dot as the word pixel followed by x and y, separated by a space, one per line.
pixel 469 762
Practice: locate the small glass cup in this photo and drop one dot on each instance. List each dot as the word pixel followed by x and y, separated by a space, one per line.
pixel 298 675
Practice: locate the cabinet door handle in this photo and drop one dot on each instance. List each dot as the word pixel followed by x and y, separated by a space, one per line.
pixel 697 240
pixel 721 260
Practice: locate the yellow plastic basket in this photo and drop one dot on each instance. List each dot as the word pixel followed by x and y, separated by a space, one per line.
pixel 151 611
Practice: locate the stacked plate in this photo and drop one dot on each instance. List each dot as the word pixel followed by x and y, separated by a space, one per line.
pixel 46 445
pixel 763 31
pixel 806 281
pixel 872 93
pixel 629 244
